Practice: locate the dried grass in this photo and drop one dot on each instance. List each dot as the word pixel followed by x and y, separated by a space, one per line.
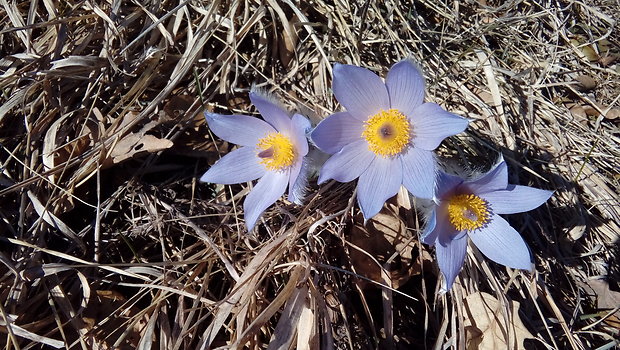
pixel 108 240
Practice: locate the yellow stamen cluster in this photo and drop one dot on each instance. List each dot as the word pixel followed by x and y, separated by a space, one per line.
pixel 276 151
pixel 468 212
pixel 388 133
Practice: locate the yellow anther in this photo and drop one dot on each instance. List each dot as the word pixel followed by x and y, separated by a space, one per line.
pixel 468 212
pixel 276 151
pixel 388 133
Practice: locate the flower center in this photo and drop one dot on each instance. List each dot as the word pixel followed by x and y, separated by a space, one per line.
pixel 388 133
pixel 468 212
pixel 276 151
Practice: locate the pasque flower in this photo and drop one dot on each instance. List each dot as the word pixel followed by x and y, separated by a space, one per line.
pixel 470 209
pixel 386 135
pixel 272 150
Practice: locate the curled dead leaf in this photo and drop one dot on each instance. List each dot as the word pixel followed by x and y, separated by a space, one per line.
pixel 586 82
pixel 375 243
pixel 605 297
pixel 486 327
pixel 612 114
pixel 177 106
pixel 134 144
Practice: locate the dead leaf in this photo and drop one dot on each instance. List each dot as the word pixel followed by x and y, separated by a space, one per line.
pixel 486 327
pixel 383 236
pixel 608 60
pixel 591 111
pixel 289 35
pixel 586 82
pixel 176 107
pixel 103 304
pixel 605 297
pixel 134 144
pixel 579 113
pixel 612 114
pixel 586 51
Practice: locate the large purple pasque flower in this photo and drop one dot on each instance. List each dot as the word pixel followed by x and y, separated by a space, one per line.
pixel 470 208
pixel 272 150
pixel 386 136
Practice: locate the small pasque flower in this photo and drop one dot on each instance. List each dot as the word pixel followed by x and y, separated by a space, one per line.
pixel 272 150
pixel 386 136
pixel 470 208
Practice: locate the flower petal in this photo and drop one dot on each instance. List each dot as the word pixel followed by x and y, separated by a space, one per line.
pixel 348 164
pixel 377 184
pixel 359 90
pixel 300 126
pixel 516 199
pixel 431 124
pixel 443 231
pixel 268 189
pixel 430 234
pixel 240 165
pixel 337 131
pixel 271 112
pixel 494 180
pixel 238 129
pixel 405 84
pixel 450 258
pixel 501 243
pixel 446 183
pixel 419 172
pixel 298 181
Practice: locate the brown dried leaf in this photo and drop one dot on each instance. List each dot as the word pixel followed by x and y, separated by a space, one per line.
pixel 579 113
pixel 486 327
pixel 612 114
pixel 608 60
pixel 105 303
pixel 586 82
pixel 383 236
pixel 135 144
pixel 605 297
pixel 586 51
pixel 307 335
pixel 177 106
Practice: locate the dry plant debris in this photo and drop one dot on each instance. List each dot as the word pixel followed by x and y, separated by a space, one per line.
pixel 108 241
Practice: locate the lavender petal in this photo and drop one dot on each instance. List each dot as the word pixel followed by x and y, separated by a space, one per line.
pixel 494 180
pixel 337 131
pixel 450 258
pixel 501 243
pixel 240 165
pixel 419 172
pixel 432 124
pixel 516 199
pixel 446 184
pixel 297 182
pixel 271 112
pixel 405 84
pixel 268 190
pixel 300 125
pixel 360 91
pixel 377 184
pixel 238 129
pixel 348 164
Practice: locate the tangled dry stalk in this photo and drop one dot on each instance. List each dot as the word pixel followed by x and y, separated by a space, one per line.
pixel 108 240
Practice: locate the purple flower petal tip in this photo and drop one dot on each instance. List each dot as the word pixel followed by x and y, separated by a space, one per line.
pixel 271 110
pixel 337 131
pixel 238 129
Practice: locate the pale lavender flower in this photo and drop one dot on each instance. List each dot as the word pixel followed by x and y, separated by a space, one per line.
pixel 470 208
pixel 272 150
pixel 386 136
